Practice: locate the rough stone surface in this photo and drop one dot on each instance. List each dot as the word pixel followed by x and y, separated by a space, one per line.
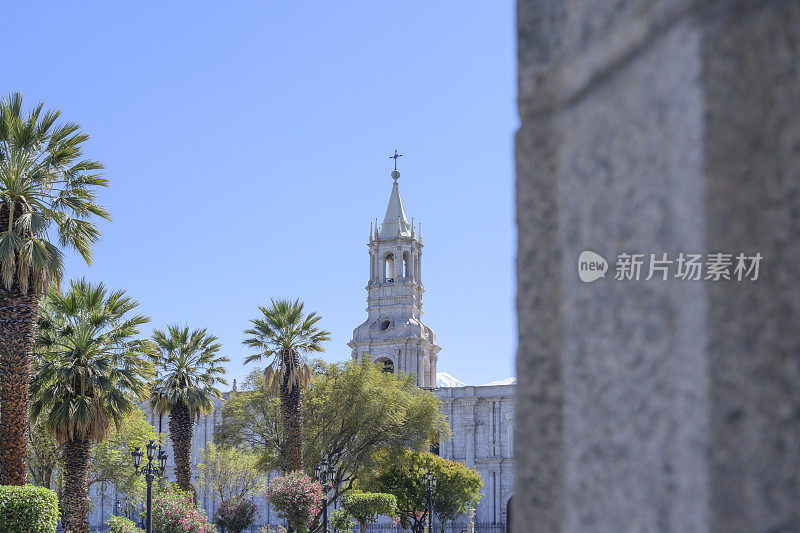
pixel 652 127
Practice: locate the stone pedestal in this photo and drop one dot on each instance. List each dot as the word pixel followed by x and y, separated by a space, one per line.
pixel 650 127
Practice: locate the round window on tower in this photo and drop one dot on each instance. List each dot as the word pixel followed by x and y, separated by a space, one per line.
pixel 384 324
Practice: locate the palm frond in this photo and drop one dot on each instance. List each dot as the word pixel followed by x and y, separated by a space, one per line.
pixel 90 362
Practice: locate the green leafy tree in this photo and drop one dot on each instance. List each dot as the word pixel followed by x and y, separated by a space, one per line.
pixel 297 498
pixel 366 507
pixel 91 362
pixel 340 520
pixel 44 456
pixel 402 474
pixel 251 420
pixel 189 369
pixel 352 410
pixel 458 488
pixel 355 409
pixel 109 461
pixel 47 202
pixel 111 457
pixel 284 333
pixel 231 473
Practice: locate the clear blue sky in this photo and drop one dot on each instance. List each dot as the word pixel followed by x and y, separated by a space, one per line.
pixel 247 144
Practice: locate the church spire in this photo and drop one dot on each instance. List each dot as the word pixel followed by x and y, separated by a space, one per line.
pixel 393 333
pixel 395 223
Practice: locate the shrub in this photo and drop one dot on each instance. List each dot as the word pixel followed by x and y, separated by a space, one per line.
pixel 174 511
pixel 366 507
pixel 120 524
pixel 235 516
pixel 297 498
pixel 28 509
pixel 341 521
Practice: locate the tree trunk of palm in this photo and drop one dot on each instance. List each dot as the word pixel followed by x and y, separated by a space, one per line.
pixel 292 414
pixel 76 485
pixel 180 431
pixel 18 315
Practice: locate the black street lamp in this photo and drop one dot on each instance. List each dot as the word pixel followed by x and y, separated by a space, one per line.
pixel 124 506
pixel 430 486
pixel 325 473
pixel 150 472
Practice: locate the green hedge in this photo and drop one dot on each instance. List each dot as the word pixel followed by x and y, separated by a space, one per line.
pixel 119 524
pixel 28 509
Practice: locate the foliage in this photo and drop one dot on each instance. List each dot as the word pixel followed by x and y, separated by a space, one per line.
pixel 90 361
pixel 457 488
pixel 47 202
pixel 340 520
pixel 269 529
pixel 44 176
pixel 251 420
pixel 231 473
pixel 284 334
pixel 366 507
pixel 236 515
pixel 189 369
pixel 402 475
pixel 120 524
pixel 110 462
pixel 90 367
pixel 285 328
pixel 174 511
pixel 44 456
pixel 28 509
pixel 297 498
pixel 351 411
pixel 111 458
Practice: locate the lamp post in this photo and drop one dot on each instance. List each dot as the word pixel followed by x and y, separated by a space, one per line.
pixel 325 473
pixel 124 506
pixel 430 486
pixel 149 472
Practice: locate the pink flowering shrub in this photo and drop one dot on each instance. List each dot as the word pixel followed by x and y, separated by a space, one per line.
pixel 174 511
pixel 235 516
pixel 297 498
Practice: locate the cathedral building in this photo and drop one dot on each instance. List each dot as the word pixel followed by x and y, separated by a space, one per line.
pixel 480 417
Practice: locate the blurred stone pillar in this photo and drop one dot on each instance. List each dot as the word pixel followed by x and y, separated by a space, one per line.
pixel 650 127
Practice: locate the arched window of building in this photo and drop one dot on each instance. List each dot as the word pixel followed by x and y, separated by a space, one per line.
pixel 509 515
pixel 388 268
pixel 387 365
pixel 406 265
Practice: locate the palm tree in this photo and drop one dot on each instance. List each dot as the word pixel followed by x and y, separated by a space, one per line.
pixel 189 368
pixel 47 201
pixel 284 333
pixel 91 366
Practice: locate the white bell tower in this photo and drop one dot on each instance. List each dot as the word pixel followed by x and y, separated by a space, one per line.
pixel 393 333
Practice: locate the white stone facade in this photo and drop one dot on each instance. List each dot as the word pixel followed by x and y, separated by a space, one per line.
pixel 482 423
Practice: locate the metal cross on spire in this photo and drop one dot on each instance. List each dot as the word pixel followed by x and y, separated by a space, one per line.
pixel 395 156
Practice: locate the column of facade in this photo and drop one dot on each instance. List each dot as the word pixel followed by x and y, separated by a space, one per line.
pixel 470 428
pixel 398 263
